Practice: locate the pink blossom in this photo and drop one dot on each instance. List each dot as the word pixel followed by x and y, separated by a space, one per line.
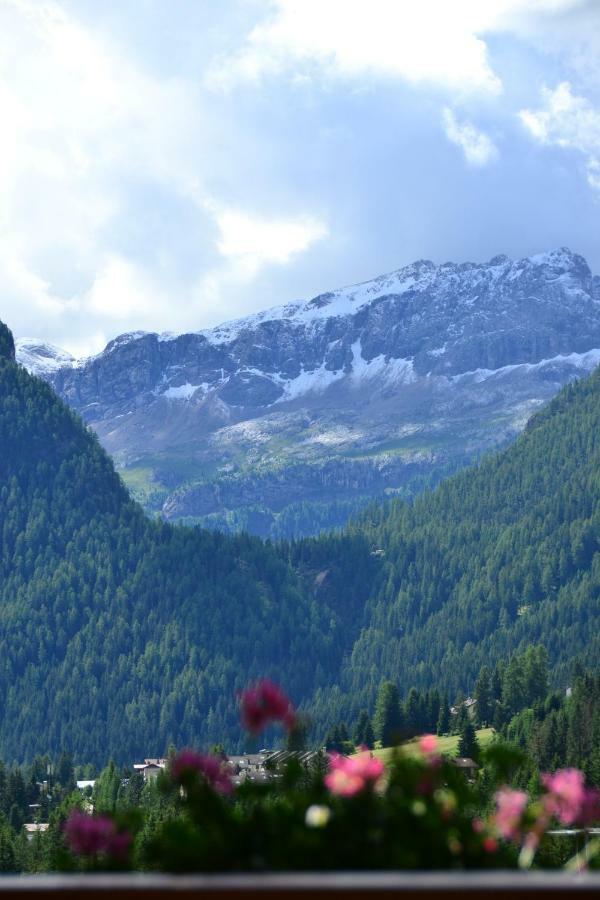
pixel 348 776
pixel 119 845
pixel 90 835
pixel 566 794
pixel 265 703
pixel 510 806
pixel 428 744
pixel 189 763
pixel 490 844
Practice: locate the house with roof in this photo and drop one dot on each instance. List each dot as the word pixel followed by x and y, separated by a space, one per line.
pixel 33 828
pixel 150 767
pixel 466 765
pixel 470 704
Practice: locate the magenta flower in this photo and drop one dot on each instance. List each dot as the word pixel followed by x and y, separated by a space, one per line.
pixel 188 764
pixel 566 795
pixel 91 835
pixel 265 703
pixel 428 745
pixel 348 776
pixel 510 806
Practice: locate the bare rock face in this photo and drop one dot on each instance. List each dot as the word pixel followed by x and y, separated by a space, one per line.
pixel 294 417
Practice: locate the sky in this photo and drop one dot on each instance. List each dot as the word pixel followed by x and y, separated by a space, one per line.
pixel 167 166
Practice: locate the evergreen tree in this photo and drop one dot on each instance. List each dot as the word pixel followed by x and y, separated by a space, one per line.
pixel 7 344
pixel 460 718
pixel 106 789
pixel 363 734
pixel 65 774
pixel 443 722
pixel 387 721
pixel 483 695
pixel 297 738
pixel 7 848
pixel 412 714
pixel 468 745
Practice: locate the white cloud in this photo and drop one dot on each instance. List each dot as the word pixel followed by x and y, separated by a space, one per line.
pixel 121 290
pixel 110 145
pixel 432 41
pixel 567 120
pixel 251 242
pixel 79 122
pixel 247 243
pixel 441 43
pixel 478 147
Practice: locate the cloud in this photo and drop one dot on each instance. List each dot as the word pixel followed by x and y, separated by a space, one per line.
pixel 111 145
pixel 478 147
pixel 252 242
pixel 570 121
pixel 121 290
pixel 248 243
pixel 432 42
pixel 81 125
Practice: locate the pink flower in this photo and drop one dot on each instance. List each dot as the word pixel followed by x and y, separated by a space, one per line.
pixel 428 745
pixel 348 776
pixel 510 806
pixel 566 794
pixel 265 703
pixel 189 763
pixel 490 844
pixel 119 845
pixel 90 835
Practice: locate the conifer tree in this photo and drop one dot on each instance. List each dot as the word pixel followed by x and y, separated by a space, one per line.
pixel 106 789
pixel 363 734
pixel 443 722
pixel 468 745
pixel 412 713
pixel 387 721
pixel 483 695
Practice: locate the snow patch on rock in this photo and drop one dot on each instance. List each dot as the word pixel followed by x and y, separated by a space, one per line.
pixel 183 391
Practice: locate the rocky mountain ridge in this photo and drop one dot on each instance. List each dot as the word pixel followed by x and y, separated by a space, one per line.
pixel 362 391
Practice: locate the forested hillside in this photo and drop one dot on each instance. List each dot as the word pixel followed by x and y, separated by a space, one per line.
pixel 499 555
pixel 119 635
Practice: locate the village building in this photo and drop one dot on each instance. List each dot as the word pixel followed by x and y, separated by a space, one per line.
pixel 33 828
pixel 150 767
pixel 466 765
pixel 84 785
pixel 469 704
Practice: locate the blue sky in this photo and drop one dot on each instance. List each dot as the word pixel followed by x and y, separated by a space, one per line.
pixel 170 165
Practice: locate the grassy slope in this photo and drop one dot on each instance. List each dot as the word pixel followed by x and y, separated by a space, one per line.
pixel 448 745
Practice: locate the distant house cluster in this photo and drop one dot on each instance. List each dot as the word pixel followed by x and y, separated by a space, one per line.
pixel 262 766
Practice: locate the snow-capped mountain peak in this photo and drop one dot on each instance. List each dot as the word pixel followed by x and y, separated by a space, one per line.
pixel 359 386
pixel 40 357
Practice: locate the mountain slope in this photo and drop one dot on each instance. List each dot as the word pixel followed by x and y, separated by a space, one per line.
pixel 504 553
pixel 291 419
pixel 118 634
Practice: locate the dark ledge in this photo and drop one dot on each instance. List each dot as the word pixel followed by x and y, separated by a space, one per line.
pixel 358 885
